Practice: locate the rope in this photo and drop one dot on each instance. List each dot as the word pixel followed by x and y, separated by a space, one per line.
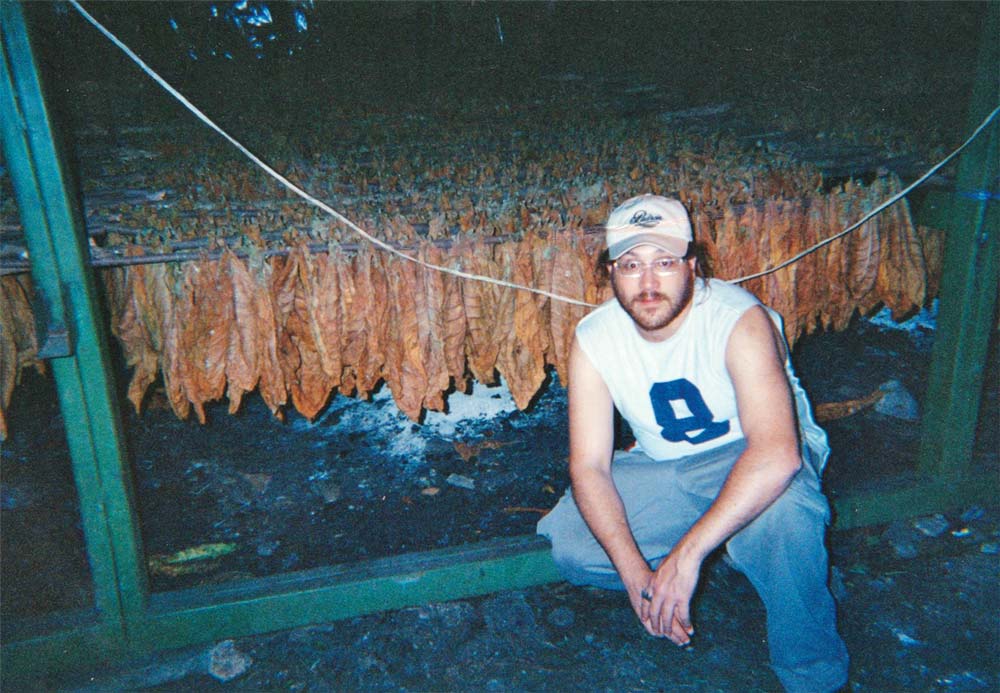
pixel 299 191
pixel 888 203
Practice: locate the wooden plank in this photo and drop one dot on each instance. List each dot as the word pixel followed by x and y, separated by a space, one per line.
pixel 889 502
pixel 55 644
pixel 295 599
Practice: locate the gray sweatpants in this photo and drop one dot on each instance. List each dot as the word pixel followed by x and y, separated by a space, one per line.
pixel 781 552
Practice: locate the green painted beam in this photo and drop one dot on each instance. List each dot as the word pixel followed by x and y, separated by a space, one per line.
pixel 57 244
pixel 291 600
pixel 885 503
pixel 968 283
pixel 48 646
pixel 13 126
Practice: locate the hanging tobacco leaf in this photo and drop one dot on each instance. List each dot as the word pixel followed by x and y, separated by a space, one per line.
pixel 311 386
pixel 454 320
pixel 483 311
pixel 521 358
pixel 429 303
pixel 242 359
pixel 321 298
pixel 404 370
pixel 18 342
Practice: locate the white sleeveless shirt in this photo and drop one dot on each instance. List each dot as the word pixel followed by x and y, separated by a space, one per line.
pixel 677 394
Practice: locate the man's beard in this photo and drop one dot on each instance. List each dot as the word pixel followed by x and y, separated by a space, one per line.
pixel 666 312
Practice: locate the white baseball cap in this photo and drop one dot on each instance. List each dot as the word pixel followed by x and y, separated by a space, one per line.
pixel 648 220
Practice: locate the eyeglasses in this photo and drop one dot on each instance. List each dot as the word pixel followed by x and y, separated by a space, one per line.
pixel 662 267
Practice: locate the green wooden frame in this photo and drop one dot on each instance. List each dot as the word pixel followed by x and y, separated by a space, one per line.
pixel 127 620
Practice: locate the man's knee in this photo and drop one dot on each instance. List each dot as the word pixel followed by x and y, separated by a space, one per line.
pixel 581 560
pixel 572 565
pixel 798 517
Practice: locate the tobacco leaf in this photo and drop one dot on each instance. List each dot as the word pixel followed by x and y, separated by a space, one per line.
pixel 705 234
pixel 734 259
pixel 242 357
pixel 913 289
pixel 932 246
pixel 780 285
pixel 521 359
pixel 809 289
pixel 538 251
pixel 901 281
pixel 133 331
pixel 568 279
pixel 836 309
pixel 8 354
pixel 429 303
pixel 373 285
pixel 321 297
pixel 482 311
pixel 294 318
pixel 589 253
pixel 283 279
pixel 311 386
pixel 454 320
pixel 185 373
pixel 271 385
pixel 206 307
pixel 404 370
pixel 864 250
pixel 168 303
pixel 831 411
pixel 353 339
pixel 217 313
pixel 18 341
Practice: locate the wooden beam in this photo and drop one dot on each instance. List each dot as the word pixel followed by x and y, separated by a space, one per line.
pixel 47 203
pixel 887 502
pixel 968 284
pixel 294 599
pixel 51 645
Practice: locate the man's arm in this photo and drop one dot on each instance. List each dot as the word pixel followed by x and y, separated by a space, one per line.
pixel 755 360
pixel 591 438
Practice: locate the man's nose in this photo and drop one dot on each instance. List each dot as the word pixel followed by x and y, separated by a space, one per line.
pixel 648 279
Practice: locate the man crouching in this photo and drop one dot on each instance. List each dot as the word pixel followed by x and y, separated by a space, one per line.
pixel 726 450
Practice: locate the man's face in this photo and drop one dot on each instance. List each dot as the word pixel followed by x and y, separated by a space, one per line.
pixel 655 302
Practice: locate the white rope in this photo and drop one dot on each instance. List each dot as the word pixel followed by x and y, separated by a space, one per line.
pixel 299 191
pixel 888 203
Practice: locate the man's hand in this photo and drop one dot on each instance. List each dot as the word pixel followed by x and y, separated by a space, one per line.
pixel 636 586
pixel 667 610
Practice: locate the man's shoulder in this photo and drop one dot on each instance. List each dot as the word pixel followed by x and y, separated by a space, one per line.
pixel 608 312
pixel 601 331
pixel 715 293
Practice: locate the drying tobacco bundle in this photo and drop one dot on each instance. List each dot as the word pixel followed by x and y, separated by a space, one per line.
pixel 297 328
pixel 18 344
pixel 300 327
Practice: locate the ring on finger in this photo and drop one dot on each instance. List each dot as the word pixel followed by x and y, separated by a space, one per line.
pixel 647 595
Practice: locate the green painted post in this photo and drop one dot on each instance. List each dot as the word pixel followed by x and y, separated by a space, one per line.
pixel 968 285
pixel 62 275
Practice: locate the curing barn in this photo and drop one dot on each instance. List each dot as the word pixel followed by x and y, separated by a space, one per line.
pixel 288 294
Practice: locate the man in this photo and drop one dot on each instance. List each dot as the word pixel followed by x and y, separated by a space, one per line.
pixel 726 450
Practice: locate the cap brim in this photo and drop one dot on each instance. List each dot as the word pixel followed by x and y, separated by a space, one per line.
pixel 674 246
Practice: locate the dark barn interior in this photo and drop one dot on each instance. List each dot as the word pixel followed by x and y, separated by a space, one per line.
pixel 243 445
